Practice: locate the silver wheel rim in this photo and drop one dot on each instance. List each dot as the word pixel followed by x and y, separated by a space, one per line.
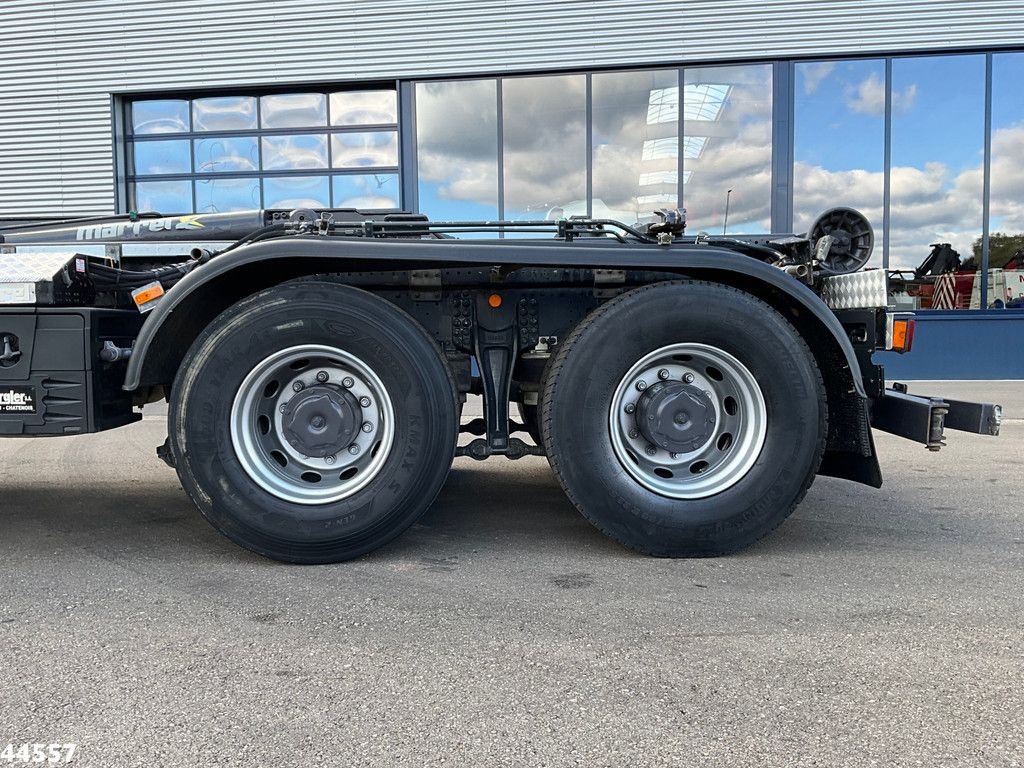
pixel 701 389
pixel 278 424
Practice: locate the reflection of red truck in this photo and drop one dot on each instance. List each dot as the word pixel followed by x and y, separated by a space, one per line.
pixel 940 282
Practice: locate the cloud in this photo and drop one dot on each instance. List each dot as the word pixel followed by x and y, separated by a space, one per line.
pixel 868 96
pixel 742 163
pixel 814 74
pixel 929 204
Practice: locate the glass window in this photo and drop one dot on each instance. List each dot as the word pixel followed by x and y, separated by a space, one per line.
pixel 635 144
pixel 364 108
pixel 457 149
pixel 545 146
pixel 296 192
pixel 163 196
pixel 358 149
pixel 224 113
pixel 293 110
pixel 227 154
pixel 366 191
pixel 839 142
pixel 224 146
pixel 1006 211
pixel 220 195
pixel 938 119
pixel 281 153
pixel 162 116
pixel 161 157
pixel 727 145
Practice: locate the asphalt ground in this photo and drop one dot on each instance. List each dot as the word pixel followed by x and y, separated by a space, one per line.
pixel 875 627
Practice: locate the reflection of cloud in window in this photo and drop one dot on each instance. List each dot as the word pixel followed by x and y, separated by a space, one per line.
pixel 456 141
pixel 632 155
pixel 814 74
pixel 868 96
pixel 929 204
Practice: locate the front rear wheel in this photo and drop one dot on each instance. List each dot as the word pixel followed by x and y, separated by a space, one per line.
pixel 313 422
pixel 684 418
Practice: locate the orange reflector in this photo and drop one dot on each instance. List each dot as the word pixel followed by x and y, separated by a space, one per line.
pixel 494 300
pixel 149 294
pixel 902 334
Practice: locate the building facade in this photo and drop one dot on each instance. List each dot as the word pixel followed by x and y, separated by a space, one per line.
pixel 755 116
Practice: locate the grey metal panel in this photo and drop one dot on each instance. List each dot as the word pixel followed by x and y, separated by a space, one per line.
pixel 62 59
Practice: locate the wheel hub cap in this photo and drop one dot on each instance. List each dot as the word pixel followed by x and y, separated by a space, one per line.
pixel 687 420
pixel 321 420
pixel 675 416
pixel 312 424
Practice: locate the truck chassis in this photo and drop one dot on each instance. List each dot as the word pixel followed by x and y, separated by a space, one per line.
pixel 685 389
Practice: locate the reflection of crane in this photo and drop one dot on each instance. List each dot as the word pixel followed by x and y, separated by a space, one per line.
pixel 943 281
pixel 725 221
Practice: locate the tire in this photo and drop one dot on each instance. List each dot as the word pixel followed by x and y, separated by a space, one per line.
pixel 534 371
pixel 321 369
pixel 529 415
pixel 666 503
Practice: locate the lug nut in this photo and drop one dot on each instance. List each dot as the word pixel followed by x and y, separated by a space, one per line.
pixel 322 376
pixel 329 459
pixel 353 449
pixel 651 450
pixel 674 455
pixel 364 401
pixel 630 407
pixel 688 378
pixel 663 373
pixel 284 407
pixel 298 386
pixel 641 385
pixel 367 426
pixel 347 382
pixel 634 433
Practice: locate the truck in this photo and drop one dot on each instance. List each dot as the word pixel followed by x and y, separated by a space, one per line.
pixel 686 389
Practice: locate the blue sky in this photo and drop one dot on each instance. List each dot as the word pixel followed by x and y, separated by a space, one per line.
pixel 938 112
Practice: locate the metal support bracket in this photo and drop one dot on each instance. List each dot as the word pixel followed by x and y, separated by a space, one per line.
pixel 495 345
pixel 113 253
pixel 916 418
pixel 496 354
pixel 425 284
pixel 608 282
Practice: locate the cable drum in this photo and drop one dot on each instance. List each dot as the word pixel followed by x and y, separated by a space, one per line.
pixel 852 242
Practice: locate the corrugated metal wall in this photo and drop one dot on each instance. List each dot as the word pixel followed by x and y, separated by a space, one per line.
pixel 61 61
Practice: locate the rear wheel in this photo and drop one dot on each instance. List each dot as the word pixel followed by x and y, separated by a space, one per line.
pixel 313 422
pixel 685 418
